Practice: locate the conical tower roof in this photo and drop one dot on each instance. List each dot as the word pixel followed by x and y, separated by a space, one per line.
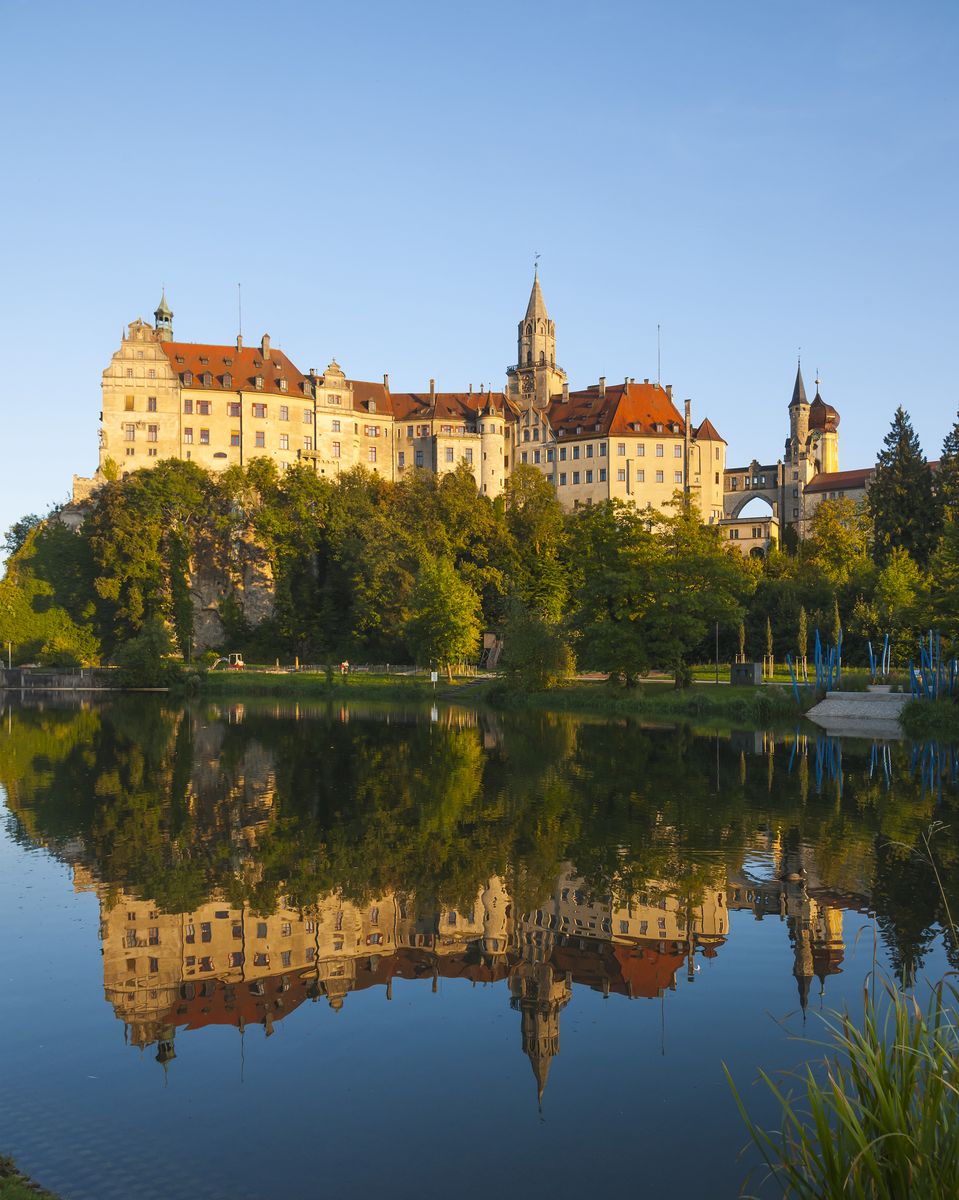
pixel 537 305
pixel 163 309
pixel 799 390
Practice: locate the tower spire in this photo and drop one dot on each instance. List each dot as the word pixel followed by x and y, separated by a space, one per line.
pixel 799 389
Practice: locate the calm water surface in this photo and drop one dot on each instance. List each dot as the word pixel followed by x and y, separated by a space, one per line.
pixel 253 950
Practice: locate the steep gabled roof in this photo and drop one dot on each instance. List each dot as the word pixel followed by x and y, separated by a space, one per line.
pixel 242 367
pixel 452 406
pixel 378 393
pixel 831 481
pixel 622 408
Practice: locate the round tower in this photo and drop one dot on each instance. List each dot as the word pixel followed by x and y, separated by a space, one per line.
pixel 492 427
pixel 798 420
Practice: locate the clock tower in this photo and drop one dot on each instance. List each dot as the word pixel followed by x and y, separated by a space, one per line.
pixel 535 377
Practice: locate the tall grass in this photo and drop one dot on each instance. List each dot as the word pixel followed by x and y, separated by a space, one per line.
pixel 878 1118
pixel 881 1120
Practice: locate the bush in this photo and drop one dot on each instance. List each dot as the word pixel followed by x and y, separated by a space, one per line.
pixel 144 661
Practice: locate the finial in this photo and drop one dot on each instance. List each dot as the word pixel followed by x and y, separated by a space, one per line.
pixel 536 258
pixel 818 380
pixel 799 357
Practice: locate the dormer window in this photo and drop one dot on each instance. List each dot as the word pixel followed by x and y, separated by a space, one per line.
pixel 228 362
pixel 258 383
pixel 179 359
pixel 187 378
pixel 372 406
pixel 228 380
pixel 257 363
pixel 207 378
pixel 203 359
pixel 579 429
pixel 282 383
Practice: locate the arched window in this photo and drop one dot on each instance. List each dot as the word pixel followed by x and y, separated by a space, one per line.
pixel 529 329
pixel 529 358
pixel 542 357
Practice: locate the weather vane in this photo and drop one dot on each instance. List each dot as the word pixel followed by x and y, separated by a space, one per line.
pixel 536 258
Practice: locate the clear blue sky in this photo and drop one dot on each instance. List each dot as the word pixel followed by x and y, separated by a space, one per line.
pixel 755 177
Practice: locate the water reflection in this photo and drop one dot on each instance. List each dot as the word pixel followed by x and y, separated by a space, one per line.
pixel 250 858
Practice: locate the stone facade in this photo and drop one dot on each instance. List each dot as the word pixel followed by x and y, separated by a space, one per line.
pixel 220 406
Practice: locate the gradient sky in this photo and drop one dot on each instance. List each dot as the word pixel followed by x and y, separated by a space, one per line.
pixel 755 177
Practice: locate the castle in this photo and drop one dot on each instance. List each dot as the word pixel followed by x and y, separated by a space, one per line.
pixel 221 406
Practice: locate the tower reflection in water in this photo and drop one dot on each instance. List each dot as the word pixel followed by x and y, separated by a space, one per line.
pixel 226 965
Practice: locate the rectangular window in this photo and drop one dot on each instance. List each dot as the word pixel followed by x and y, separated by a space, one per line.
pixel 235 437
pixel 621 475
pixel 284 412
pixel 536 434
pixel 188 435
pixel 589 476
pixel 151 403
pixel 589 450
pixel 284 441
pixel 260 439
pixel 233 408
pixel 640 451
pixel 419 458
pixel 129 372
pixel 640 476
pixel 576 477
pixel 468 454
pixel 620 448
pixel 236 958
pixel 602 474
pixel 259 410
pixel 401 460
pixel 449 454
pixel 576 452
pixel 550 455
pixel 677 477
pixel 203 408
pixel 335 450
pixel 677 451
pixel 261 929
pixel 335 426
pixel 535 456
pixel 371 454
pixel 128 403
pixel 562 479
pixel 206 931
pixel 153 433
pixel 659 477
pixel 129 433
pixel 659 450
pixel 562 454
pixel 151 373
pixel 204 437
pixel 409 431
pixel 308 443
pixel 285 957
pixel 602 449
pixel 525 456
pixel 188 405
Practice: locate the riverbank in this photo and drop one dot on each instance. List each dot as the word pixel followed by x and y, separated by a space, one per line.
pixel 653 699
pixel 923 719
pixel 14 1185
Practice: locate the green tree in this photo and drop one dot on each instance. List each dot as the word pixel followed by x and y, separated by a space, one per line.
pixel 901 500
pixel 536 654
pixel 444 625
pixel 536 523
pixel 838 541
pixel 947 474
pixel 942 603
pixel 802 639
pixel 17 534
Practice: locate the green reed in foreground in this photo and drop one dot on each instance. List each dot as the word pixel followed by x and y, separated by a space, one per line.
pixel 881 1118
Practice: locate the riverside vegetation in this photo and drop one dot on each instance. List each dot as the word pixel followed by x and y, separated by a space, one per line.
pixel 366 570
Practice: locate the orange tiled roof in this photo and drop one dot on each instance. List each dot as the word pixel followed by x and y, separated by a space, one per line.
pixel 624 408
pixel 379 393
pixel 452 406
pixel 831 481
pixel 193 361
pixel 707 432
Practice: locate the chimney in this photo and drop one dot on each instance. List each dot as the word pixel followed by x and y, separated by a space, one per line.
pixel 386 382
pixel 482 388
pixel 239 341
pixel 669 390
pixel 265 345
pixel 432 389
pixel 565 391
pixel 602 385
pixel 645 381
pixel 471 389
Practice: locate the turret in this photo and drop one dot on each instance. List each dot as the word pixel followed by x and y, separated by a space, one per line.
pixel 535 377
pixel 163 318
pixel 798 419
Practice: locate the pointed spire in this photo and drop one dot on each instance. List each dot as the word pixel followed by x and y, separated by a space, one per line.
pixel 163 309
pixel 799 389
pixel 537 305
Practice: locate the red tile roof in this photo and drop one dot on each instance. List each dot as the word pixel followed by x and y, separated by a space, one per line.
pixel 379 393
pixel 707 432
pixel 833 481
pixel 452 406
pixel 241 367
pixel 623 408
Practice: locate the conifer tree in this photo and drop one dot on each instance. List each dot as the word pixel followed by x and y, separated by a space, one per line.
pixel 901 500
pixel 803 639
pixel 947 476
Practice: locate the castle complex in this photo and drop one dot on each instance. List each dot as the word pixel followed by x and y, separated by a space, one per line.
pixel 220 406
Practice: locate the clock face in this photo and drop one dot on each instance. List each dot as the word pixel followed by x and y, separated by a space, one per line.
pixel 527 385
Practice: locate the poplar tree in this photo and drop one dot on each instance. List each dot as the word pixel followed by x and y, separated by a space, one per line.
pixel 901 501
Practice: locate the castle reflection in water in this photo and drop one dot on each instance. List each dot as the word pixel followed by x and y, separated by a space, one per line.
pixel 225 965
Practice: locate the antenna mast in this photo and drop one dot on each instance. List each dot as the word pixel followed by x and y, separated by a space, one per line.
pixel 659 374
pixel 239 310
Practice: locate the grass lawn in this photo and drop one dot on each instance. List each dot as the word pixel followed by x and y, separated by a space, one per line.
pixel 14 1186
